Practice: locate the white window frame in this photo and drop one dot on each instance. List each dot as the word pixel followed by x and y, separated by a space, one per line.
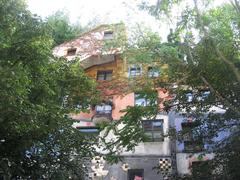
pixel 153 131
pixel 137 72
pixel 153 72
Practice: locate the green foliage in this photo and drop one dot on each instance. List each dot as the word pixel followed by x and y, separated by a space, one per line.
pixel 203 55
pixel 128 131
pixel 161 7
pixel 62 29
pixel 146 47
pixel 37 92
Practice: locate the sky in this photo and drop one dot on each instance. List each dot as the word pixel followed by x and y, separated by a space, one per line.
pixel 109 11
pixel 104 11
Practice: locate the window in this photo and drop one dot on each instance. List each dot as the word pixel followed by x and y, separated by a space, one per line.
pixel 108 35
pixel 71 52
pixel 153 130
pixel 145 99
pixel 135 174
pixel 153 72
pixel 189 97
pixel 103 109
pixel 140 101
pixel 203 95
pixel 104 75
pixel 135 70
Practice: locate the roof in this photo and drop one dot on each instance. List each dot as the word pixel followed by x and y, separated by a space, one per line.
pixel 91 42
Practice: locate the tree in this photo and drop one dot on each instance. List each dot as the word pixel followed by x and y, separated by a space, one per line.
pixel 62 29
pixel 37 93
pixel 203 55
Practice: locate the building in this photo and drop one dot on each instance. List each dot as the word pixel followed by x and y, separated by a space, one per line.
pixel 107 67
pixel 159 157
pixel 193 151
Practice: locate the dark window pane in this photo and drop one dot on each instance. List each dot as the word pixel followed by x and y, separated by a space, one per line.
pixel 153 72
pixel 157 136
pixel 149 136
pixel 157 125
pixel 71 52
pixel 108 35
pixel 147 125
pixel 108 76
pixel 104 75
pixel 101 76
pixel 134 71
pixel 153 130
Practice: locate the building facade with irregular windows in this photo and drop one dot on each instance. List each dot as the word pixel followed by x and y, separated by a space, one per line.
pixel 155 158
pixel 194 151
pixel 108 69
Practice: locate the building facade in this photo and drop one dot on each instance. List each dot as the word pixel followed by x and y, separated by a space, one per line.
pixel 159 157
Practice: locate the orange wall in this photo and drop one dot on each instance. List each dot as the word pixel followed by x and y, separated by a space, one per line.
pixel 120 102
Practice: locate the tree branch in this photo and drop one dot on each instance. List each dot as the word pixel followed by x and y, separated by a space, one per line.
pixel 220 54
pixel 220 96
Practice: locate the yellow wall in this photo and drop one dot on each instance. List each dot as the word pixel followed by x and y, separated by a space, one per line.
pixel 120 69
pixel 117 67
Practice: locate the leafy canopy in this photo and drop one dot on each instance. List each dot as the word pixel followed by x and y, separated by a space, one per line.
pixel 37 93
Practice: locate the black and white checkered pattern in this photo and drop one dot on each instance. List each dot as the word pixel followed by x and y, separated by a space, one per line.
pixel 165 167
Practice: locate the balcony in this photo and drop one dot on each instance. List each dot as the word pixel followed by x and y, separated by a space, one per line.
pixel 103 113
pixel 97 60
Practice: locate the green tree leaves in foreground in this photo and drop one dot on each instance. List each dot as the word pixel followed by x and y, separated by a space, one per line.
pixel 206 39
pixel 62 29
pixel 37 91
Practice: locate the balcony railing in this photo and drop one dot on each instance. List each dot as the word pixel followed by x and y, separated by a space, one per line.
pixel 103 113
pixel 103 109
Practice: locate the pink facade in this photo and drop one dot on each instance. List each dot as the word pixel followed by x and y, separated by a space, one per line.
pixel 121 102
